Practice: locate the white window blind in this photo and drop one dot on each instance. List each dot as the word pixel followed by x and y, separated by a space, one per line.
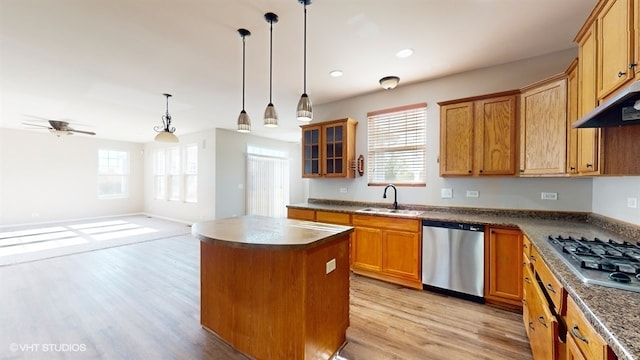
pixel 397 146
pixel 267 182
pixel 160 174
pixel 191 173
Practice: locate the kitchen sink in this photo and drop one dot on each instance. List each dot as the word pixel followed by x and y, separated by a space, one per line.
pixel 385 211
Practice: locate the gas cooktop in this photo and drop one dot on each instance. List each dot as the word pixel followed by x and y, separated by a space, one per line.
pixel 607 263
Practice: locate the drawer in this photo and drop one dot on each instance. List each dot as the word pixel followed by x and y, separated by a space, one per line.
pixel 551 285
pixel 526 247
pixel 333 217
pixel 387 222
pixel 301 214
pixel 591 345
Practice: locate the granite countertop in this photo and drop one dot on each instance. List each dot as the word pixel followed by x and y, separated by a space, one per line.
pixel 253 231
pixel 614 313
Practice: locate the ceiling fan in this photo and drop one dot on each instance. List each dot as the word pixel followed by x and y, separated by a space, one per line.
pixel 60 128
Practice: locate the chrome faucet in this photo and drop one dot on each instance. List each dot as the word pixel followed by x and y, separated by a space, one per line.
pixel 395 195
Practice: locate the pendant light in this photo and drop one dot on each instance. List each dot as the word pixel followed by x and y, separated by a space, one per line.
pixel 244 123
pixel 166 131
pixel 270 113
pixel 305 111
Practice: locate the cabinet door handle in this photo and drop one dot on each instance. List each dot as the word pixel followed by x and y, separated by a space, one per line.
pixel 621 74
pixel 527 280
pixel 576 332
pixel 480 170
pixel 632 65
pixel 589 165
pixel 531 326
pixel 469 171
pixel 532 258
pixel 541 321
pixel 572 168
pixel 550 288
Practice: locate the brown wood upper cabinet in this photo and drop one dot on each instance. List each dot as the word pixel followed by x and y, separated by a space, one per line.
pixel 328 149
pixel 478 135
pixel 615 46
pixel 543 127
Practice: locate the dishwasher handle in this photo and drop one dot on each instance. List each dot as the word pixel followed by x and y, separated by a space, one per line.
pixel 453 225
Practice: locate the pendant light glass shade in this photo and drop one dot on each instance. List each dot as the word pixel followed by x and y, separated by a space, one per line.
pixel 270 113
pixel 166 131
pixel 244 122
pixel 304 111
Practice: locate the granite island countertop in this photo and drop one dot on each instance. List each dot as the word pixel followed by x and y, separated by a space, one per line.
pixel 262 231
pixel 614 313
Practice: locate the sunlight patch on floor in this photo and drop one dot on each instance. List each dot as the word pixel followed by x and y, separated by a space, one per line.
pixel 52 237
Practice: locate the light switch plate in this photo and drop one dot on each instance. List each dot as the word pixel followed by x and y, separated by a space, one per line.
pixel 632 202
pixel 549 196
pixel 446 193
pixel 472 193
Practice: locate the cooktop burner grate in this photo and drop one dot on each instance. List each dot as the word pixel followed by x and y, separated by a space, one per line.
pixel 609 263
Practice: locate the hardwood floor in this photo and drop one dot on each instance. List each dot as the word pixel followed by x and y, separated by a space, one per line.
pixel 141 301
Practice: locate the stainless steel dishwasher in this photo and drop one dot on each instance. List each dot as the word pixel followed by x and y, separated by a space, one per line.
pixel 453 259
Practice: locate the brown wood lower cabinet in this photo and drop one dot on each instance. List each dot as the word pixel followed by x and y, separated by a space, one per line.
pixel 387 248
pixel 503 269
pixel 582 340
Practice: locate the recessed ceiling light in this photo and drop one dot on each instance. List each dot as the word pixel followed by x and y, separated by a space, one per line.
pixel 404 53
pixel 336 73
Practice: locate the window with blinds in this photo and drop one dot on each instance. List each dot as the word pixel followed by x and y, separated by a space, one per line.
pixel 397 146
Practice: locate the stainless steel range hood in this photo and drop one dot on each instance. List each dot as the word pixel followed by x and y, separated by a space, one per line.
pixel 617 111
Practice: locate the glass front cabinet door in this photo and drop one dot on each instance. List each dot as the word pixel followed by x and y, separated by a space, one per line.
pixel 328 149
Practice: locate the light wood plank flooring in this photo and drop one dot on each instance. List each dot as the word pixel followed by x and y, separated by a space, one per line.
pixel 141 301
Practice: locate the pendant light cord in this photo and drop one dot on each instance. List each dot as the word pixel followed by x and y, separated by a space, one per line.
pixel 270 60
pixel 244 38
pixel 305 49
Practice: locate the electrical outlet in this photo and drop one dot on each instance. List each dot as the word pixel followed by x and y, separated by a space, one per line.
pixel 548 196
pixel 446 193
pixel 632 202
pixel 343 190
pixel 330 266
pixel 472 193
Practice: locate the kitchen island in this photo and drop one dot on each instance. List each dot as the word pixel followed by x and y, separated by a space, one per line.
pixel 275 288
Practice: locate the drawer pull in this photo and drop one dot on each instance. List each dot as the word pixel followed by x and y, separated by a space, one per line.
pixel 576 332
pixel 541 321
pixel 531 326
pixel 532 258
pixel 527 280
pixel 550 288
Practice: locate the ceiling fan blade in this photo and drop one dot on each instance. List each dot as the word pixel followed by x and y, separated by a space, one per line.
pixel 81 131
pixel 37 125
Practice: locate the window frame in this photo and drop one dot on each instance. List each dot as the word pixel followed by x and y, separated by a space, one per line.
pixel 412 140
pixel 124 160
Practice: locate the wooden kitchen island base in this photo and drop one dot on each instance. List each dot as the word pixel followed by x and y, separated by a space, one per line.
pixel 275 301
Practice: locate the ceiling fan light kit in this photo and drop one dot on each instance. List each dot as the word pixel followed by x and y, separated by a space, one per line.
pixel 166 131
pixel 304 111
pixel 270 113
pixel 244 122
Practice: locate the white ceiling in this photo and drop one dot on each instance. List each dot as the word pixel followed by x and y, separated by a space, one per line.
pixel 104 64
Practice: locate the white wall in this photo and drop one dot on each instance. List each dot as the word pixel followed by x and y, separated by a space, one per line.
pixel 521 193
pixel 204 209
pixel 231 149
pixel 45 178
pixel 610 196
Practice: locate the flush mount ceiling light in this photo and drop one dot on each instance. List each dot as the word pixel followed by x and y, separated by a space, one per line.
pixel 244 123
pixel 389 82
pixel 304 111
pixel 166 131
pixel 336 73
pixel 270 113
